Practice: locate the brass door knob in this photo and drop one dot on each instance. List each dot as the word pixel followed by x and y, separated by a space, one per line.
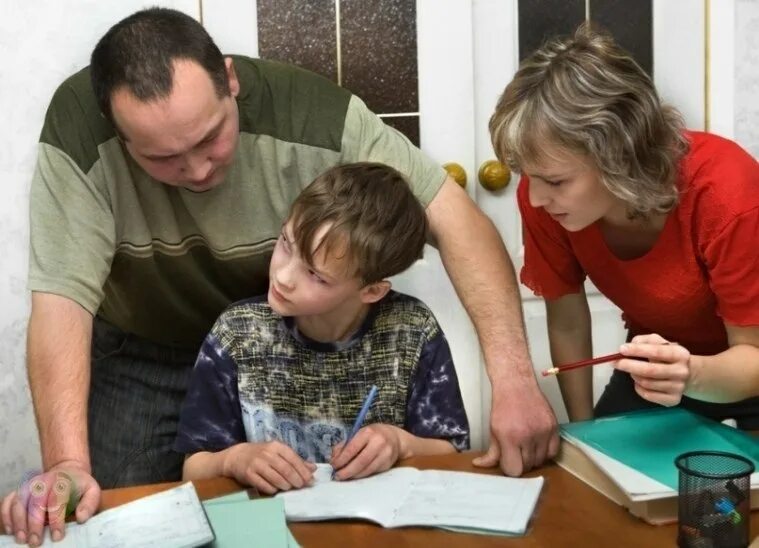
pixel 494 175
pixel 456 172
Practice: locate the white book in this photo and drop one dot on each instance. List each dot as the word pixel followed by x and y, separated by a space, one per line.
pixel 170 519
pixel 406 496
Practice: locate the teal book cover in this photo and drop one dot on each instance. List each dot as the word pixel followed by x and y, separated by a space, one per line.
pixel 649 441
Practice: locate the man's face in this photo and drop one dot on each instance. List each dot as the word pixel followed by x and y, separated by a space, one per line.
pixel 188 139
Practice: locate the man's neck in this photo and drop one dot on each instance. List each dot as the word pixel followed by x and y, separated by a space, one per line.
pixel 337 326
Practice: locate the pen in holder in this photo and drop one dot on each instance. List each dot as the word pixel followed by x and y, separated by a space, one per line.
pixel 713 502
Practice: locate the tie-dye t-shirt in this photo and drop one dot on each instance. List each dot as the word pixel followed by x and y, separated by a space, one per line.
pixel 257 379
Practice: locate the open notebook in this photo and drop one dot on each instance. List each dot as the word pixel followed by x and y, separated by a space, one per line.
pixel 173 518
pixel 405 496
pixel 630 457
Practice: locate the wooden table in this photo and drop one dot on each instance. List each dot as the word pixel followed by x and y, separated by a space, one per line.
pixel 569 513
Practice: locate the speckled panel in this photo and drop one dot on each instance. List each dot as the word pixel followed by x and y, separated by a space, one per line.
pixel 378 47
pixel 540 20
pixel 408 125
pixel 631 24
pixel 302 32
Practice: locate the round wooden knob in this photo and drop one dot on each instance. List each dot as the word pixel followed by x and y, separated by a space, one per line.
pixel 456 172
pixel 494 175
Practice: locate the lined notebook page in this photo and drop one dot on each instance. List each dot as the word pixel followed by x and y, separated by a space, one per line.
pixel 464 499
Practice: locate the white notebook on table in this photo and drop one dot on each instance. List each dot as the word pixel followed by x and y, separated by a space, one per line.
pixel 406 496
pixel 169 519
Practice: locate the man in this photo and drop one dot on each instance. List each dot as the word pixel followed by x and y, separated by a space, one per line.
pixel 164 173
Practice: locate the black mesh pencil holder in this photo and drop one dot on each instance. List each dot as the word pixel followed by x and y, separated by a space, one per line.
pixel 714 500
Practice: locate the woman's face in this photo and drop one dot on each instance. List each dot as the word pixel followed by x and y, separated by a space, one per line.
pixel 569 188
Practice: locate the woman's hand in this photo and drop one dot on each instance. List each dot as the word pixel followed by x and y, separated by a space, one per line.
pixel 269 467
pixel 374 448
pixel 664 377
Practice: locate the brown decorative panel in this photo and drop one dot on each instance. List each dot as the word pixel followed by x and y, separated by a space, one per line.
pixel 631 24
pixel 540 20
pixel 301 32
pixel 378 50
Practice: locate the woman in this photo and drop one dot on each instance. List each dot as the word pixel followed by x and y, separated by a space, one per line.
pixel 664 221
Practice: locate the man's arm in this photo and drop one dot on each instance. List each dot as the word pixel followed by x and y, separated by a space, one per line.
pixel 58 359
pixel 58 354
pixel 569 334
pixel 523 426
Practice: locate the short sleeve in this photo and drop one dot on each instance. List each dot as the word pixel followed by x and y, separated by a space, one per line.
pixel 367 138
pixel 732 259
pixel 211 418
pixel 435 407
pixel 550 269
pixel 72 229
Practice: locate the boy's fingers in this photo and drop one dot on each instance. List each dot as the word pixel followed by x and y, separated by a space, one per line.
pixel 373 467
pixel 368 453
pixel 349 452
pixel 298 465
pixel 261 484
pixel 288 472
pixel 272 475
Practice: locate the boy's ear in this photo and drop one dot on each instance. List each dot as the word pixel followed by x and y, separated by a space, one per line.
pixel 374 292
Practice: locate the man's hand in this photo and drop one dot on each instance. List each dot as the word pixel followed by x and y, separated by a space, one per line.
pixel 269 467
pixel 374 448
pixel 664 377
pixel 523 430
pixel 47 498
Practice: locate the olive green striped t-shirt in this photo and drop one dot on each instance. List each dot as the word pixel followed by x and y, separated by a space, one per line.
pixel 162 262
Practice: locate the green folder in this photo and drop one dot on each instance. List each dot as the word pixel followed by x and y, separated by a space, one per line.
pixel 650 440
pixel 239 521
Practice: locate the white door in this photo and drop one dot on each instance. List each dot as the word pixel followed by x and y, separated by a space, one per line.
pixel 467 52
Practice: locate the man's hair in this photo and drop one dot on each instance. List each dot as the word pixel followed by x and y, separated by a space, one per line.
pixel 371 211
pixel 138 53
pixel 586 95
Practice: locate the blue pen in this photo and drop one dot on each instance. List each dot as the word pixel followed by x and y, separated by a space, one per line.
pixel 360 418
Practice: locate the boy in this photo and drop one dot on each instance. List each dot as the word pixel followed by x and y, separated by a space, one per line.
pixel 279 380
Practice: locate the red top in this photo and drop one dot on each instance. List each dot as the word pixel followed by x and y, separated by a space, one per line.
pixel 702 270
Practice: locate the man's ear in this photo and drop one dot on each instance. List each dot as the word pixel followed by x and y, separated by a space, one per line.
pixel 374 292
pixel 234 83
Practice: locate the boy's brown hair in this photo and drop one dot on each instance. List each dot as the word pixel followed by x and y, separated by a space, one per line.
pixel 372 212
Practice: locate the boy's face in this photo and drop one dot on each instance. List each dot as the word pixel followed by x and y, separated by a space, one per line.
pixel 328 287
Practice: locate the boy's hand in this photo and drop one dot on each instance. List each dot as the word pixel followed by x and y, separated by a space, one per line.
pixel 269 467
pixel 47 497
pixel 374 448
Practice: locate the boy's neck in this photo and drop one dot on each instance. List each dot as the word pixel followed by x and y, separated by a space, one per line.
pixel 337 326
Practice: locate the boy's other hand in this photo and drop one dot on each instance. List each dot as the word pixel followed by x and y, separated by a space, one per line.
pixel 269 467
pixel 374 448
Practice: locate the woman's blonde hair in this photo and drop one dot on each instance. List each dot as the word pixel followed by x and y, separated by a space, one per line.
pixel 588 96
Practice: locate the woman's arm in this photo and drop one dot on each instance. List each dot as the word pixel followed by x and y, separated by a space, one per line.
pixel 569 334
pixel 729 376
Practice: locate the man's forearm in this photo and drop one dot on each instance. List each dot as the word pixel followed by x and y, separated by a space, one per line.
pixel 482 273
pixel 58 349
